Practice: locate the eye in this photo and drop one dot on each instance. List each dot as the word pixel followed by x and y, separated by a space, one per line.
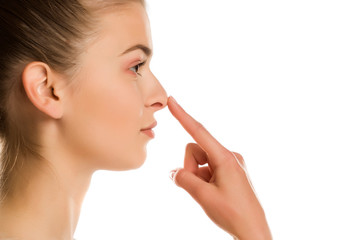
pixel 136 68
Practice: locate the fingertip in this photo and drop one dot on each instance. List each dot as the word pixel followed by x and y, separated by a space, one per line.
pixel 172 99
pixel 172 102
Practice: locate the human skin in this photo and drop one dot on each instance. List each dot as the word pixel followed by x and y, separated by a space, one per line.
pixel 92 123
pixel 222 188
pixel 95 123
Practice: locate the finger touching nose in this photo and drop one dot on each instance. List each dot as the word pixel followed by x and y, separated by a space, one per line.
pixel 216 151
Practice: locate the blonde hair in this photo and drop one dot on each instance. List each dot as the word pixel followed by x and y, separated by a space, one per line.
pixel 50 31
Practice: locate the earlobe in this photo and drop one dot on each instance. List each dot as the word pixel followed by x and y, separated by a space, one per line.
pixel 40 87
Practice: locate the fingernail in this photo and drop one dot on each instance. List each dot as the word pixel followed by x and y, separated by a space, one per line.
pixel 173 99
pixel 173 173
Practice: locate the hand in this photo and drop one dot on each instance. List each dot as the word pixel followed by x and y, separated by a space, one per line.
pixel 222 188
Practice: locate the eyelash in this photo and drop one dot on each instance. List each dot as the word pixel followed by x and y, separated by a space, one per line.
pixel 136 68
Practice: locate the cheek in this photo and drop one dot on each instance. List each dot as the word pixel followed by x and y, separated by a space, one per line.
pixel 105 126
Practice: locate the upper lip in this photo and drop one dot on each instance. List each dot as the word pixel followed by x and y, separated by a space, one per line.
pixel 150 127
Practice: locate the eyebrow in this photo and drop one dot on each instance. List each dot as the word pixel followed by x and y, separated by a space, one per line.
pixel 143 48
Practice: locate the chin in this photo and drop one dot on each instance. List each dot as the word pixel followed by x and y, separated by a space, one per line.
pixel 130 163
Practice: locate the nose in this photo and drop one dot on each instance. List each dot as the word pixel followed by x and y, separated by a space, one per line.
pixel 157 98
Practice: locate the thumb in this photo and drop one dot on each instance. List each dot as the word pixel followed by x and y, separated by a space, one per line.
pixel 187 180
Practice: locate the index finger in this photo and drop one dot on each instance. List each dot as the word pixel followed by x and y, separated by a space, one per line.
pixel 198 132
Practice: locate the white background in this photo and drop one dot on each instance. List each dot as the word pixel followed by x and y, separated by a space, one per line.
pixel 278 82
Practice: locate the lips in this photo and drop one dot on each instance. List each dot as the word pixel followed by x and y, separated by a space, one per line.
pixel 150 127
pixel 148 130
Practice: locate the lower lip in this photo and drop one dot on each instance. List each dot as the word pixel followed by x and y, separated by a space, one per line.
pixel 149 132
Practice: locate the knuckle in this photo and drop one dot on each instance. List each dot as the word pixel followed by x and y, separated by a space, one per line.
pixel 225 157
pixel 240 158
pixel 198 125
pixel 199 128
pixel 230 157
pixel 190 146
pixel 226 154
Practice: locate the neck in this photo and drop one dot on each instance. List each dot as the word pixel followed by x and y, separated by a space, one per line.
pixel 46 202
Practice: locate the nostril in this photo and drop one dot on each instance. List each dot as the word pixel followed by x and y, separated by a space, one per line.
pixel 157 105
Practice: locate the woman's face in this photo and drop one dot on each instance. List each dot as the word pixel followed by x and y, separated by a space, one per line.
pixel 114 97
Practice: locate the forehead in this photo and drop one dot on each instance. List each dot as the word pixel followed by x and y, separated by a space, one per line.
pixel 125 25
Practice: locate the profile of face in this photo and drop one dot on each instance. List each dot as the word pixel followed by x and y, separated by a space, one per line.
pixel 114 95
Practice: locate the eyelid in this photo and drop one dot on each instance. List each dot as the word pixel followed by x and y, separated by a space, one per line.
pixel 138 66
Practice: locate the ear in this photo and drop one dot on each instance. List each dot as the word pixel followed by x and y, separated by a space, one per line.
pixel 40 87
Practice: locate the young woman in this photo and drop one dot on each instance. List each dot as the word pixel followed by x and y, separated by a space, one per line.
pixel 76 96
